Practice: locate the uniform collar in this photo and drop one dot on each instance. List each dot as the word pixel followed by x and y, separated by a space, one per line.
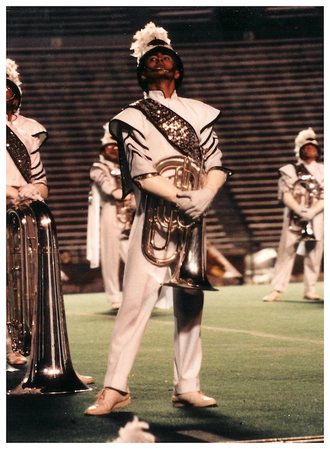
pixel 158 95
pixel 311 165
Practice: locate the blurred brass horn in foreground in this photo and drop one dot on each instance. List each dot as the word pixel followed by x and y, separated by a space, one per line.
pixel 33 271
pixel 21 264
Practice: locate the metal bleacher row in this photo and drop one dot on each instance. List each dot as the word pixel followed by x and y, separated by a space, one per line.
pixel 267 90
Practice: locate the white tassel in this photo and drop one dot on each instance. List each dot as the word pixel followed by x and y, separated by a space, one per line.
pixel 142 38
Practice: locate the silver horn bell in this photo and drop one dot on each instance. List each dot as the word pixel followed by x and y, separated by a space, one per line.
pixel 35 306
pixel 306 190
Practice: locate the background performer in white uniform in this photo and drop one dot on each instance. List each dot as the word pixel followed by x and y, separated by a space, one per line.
pixel 108 218
pixel 309 212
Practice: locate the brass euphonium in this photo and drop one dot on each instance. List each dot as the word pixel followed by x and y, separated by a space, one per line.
pixel 306 191
pixel 170 236
pixel 35 306
pixel 21 276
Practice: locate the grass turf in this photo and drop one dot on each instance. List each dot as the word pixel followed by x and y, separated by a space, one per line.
pixel 263 362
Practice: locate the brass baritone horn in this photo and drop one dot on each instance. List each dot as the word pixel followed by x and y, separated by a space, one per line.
pixel 21 276
pixel 190 271
pixel 305 191
pixel 171 236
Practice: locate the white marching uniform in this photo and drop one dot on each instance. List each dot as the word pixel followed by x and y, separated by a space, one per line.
pixel 13 175
pixel 289 239
pixel 21 127
pixel 144 147
pixel 105 241
pixel 32 127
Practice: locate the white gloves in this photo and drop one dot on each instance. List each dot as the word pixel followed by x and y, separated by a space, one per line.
pixel 117 194
pixel 305 213
pixel 28 192
pixel 308 214
pixel 195 202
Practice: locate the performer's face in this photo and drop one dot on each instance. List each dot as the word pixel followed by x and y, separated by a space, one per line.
pixel 309 152
pixel 111 152
pixel 11 100
pixel 160 65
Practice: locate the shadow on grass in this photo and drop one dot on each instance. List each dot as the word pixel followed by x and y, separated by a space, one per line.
pixel 60 418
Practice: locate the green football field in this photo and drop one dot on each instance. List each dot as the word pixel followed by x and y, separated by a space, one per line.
pixel 263 362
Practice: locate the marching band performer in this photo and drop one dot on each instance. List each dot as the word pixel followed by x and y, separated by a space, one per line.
pixel 25 174
pixel 109 218
pixel 298 215
pixel 29 125
pixel 161 126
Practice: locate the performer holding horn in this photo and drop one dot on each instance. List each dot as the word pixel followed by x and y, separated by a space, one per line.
pixel 109 218
pixel 25 175
pixel 170 158
pixel 33 257
pixel 301 189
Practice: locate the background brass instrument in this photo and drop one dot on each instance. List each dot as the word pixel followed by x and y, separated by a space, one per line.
pixel 306 191
pixel 35 306
pixel 125 207
pixel 171 236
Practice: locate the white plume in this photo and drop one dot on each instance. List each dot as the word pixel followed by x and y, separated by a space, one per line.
pixel 304 135
pixel 107 137
pixel 142 38
pixel 11 71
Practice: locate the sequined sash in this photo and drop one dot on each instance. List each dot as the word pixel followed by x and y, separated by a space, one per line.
pixel 19 154
pixel 174 128
pixel 301 169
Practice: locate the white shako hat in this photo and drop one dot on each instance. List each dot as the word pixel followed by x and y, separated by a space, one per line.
pixel 12 79
pixel 148 39
pixel 305 137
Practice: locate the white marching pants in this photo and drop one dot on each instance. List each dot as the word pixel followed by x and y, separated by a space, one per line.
pixel 113 249
pixel 286 257
pixel 142 282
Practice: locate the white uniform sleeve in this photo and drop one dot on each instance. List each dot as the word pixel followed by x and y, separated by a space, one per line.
pixel 210 142
pixel 137 153
pixel 105 181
